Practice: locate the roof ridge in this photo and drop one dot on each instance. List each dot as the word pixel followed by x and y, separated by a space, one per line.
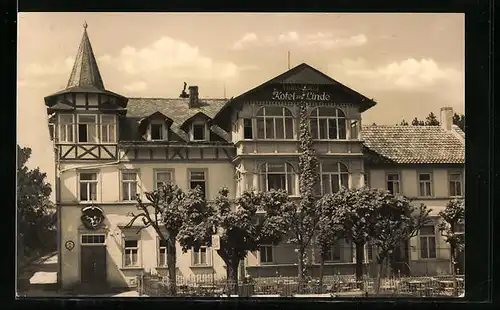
pixel 177 98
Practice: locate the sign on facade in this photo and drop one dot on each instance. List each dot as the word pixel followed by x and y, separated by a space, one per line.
pixel 216 242
pixel 69 245
pixel 306 94
pixel 92 217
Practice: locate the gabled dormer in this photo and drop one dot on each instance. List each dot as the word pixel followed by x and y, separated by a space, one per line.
pixel 156 127
pixel 198 127
pixel 85 115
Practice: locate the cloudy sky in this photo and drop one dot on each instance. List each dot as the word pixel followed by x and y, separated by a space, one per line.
pixel 410 64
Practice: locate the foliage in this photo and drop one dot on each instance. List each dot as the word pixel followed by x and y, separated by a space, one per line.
pixel 35 216
pixel 453 215
pixel 303 219
pixel 431 120
pixel 416 122
pixel 459 120
pixel 403 123
pixel 166 214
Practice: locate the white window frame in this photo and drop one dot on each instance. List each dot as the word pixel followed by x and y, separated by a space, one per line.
pixel 427 240
pixel 137 248
pixel 66 128
pixel 398 182
pixel 205 131
pixel 164 254
pixel 196 256
pixel 88 182
pixel 96 128
pixel 111 138
pixel 163 130
pixel 158 171
pixel 289 170
pixel 420 182
pixel 264 117
pixel 130 184
pixel 205 178
pixel 266 247
pixel 315 117
pixel 330 175
pixel 330 258
pixel 455 181
pixel 251 128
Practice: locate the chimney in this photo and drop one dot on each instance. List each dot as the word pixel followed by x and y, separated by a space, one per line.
pixel 193 96
pixel 446 118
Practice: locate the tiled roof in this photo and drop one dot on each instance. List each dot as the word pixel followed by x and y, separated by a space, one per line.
pixel 413 145
pixel 175 108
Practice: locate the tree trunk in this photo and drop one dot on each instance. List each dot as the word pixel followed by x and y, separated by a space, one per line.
pixel 300 279
pixel 359 264
pixel 453 271
pixel 380 266
pixel 232 276
pixel 321 271
pixel 171 264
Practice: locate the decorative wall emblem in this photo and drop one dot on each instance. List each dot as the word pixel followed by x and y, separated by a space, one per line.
pixel 69 245
pixel 92 217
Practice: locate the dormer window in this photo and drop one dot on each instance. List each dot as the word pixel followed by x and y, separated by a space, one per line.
pixel 156 131
pixel 199 131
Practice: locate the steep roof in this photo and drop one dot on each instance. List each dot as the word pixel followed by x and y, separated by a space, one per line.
pixel 85 71
pixel 413 145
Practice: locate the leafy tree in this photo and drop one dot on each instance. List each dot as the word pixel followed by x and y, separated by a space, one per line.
pixel 358 213
pixel 452 216
pixel 166 215
pixel 431 120
pixel 304 218
pixel 34 216
pixel 397 222
pixel 459 120
pixel 416 122
pixel 403 123
pixel 330 229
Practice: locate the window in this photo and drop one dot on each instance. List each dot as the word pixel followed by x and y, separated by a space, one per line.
pixel 266 253
pixel 455 184
pixel 200 256
pixel 162 253
pixel 427 236
pixel 66 128
pixel 87 128
pixel 129 185
pixel 247 128
pixel 333 176
pixel 393 183
pixel 334 253
pixel 354 129
pixel 88 186
pixel 425 182
pixel 459 227
pixel 131 251
pixel 278 176
pixel 108 132
pixel 93 239
pixel 162 177
pixel 328 123
pixel 198 179
pixel 199 132
pixel 156 131
pixel 274 123
pixel 369 252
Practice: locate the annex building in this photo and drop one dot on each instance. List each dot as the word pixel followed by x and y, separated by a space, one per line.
pixel 109 147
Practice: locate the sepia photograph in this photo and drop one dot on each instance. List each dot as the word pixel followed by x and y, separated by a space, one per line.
pixel 231 155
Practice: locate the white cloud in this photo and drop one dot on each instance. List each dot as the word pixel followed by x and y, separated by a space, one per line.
pixel 290 36
pixel 409 74
pixel 138 86
pixel 168 57
pixel 248 38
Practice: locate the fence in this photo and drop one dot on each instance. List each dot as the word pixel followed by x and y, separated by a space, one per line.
pixel 334 286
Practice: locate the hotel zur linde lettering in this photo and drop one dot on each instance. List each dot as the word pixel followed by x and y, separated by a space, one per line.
pixel 110 148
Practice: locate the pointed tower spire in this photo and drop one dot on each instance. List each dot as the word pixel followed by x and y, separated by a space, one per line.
pixel 85 72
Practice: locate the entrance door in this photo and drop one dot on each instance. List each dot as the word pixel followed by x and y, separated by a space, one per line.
pixel 93 264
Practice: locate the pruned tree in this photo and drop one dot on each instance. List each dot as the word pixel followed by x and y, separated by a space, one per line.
pixel 303 219
pixel 398 221
pixel 452 216
pixel 34 219
pixel 165 213
pixel 330 230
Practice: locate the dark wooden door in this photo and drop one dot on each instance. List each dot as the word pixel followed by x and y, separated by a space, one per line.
pixel 93 264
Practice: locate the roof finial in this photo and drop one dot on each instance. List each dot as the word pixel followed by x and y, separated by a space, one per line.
pixel 85 25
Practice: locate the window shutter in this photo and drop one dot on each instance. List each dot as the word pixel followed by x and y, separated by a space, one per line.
pixel 414 250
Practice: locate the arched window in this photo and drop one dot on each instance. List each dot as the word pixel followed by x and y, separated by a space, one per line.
pixel 328 123
pixel 274 123
pixel 277 176
pixel 333 175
